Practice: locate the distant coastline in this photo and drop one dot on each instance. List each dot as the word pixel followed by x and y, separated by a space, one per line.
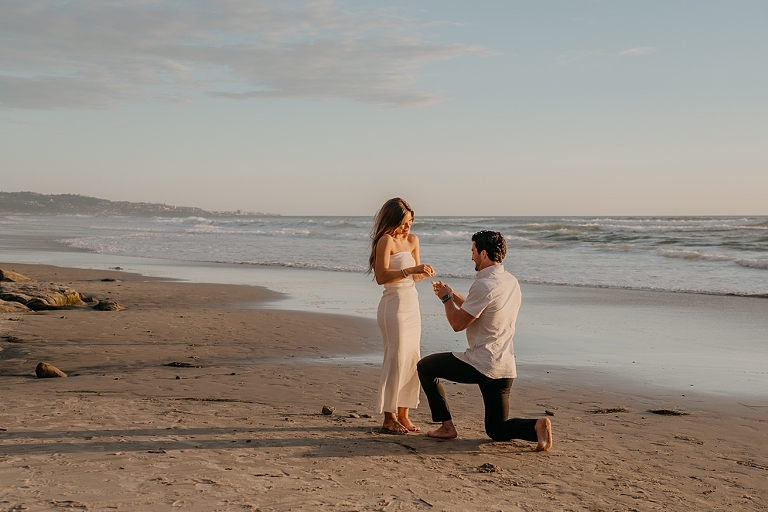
pixel 31 203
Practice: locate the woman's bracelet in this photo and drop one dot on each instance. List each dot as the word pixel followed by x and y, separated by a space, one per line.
pixel 405 274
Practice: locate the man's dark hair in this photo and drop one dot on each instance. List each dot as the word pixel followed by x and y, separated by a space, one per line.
pixel 491 242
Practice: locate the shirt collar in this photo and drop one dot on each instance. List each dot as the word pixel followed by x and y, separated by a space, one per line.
pixel 488 271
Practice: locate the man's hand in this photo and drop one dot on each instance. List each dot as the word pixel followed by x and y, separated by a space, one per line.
pixel 441 289
pixel 457 317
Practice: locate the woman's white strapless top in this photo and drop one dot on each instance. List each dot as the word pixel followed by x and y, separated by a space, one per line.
pixel 399 261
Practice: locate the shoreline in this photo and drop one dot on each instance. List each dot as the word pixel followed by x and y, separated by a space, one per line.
pixel 666 340
pixel 244 431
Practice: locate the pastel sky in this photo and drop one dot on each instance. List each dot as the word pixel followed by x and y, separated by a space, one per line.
pixel 572 107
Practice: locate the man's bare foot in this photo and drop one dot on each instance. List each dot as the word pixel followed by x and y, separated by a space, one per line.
pixel 544 433
pixel 446 431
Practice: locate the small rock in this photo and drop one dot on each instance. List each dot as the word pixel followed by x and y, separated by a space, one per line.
pixel 177 364
pixel 669 412
pixel 489 468
pixel 108 305
pixel 117 268
pixel 47 371
pixel 354 415
pixel 365 416
pixel 178 378
pixel 328 410
pixel 7 275
pixel 109 280
pixel 549 413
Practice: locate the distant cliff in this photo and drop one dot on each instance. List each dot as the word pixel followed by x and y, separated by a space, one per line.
pixel 30 203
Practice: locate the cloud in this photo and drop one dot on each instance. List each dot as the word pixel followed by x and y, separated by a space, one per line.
pixel 95 54
pixel 642 50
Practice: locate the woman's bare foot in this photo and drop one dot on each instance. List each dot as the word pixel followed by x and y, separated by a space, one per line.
pixel 402 417
pixel 392 426
pixel 446 431
pixel 544 433
pixel 410 426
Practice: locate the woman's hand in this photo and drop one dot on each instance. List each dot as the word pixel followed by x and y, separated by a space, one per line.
pixel 422 271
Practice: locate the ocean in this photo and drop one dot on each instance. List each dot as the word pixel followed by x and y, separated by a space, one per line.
pixel 588 283
pixel 711 255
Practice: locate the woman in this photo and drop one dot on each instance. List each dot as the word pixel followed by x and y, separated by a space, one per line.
pixel 395 263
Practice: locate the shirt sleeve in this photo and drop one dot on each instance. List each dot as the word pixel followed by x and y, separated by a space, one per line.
pixel 477 299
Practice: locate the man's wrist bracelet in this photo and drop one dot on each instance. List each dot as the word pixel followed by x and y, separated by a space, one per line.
pixel 445 298
pixel 405 274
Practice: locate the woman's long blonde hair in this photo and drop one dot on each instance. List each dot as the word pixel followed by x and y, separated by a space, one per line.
pixel 389 217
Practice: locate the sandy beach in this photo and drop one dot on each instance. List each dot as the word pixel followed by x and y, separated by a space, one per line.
pixel 236 424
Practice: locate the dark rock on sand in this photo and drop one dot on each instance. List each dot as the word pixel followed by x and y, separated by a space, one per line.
pixel 489 468
pixel 38 296
pixel 8 275
pixel 47 371
pixel 668 412
pixel 12 307
pixel 177 364
pixel 328 410
pixel 108 305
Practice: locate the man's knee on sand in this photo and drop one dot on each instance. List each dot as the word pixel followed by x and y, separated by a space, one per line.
pixel 496 431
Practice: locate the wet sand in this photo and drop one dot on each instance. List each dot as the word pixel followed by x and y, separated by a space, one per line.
pixel 241 427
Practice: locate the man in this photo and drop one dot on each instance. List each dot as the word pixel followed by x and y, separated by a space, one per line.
pixel 488 313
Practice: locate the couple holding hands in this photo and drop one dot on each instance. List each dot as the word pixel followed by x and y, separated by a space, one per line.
pixel 488 314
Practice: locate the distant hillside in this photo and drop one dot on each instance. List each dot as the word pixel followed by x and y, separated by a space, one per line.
pixel 30 203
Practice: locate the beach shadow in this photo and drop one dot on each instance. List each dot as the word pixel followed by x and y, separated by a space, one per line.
pixel 326 441
pixel 168 432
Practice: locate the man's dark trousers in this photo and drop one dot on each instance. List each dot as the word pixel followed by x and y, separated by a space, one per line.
pixel 495 392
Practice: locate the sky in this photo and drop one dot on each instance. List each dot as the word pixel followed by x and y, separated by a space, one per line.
pixel 571 107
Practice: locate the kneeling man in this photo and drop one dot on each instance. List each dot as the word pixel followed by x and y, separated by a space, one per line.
pixel 488 313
